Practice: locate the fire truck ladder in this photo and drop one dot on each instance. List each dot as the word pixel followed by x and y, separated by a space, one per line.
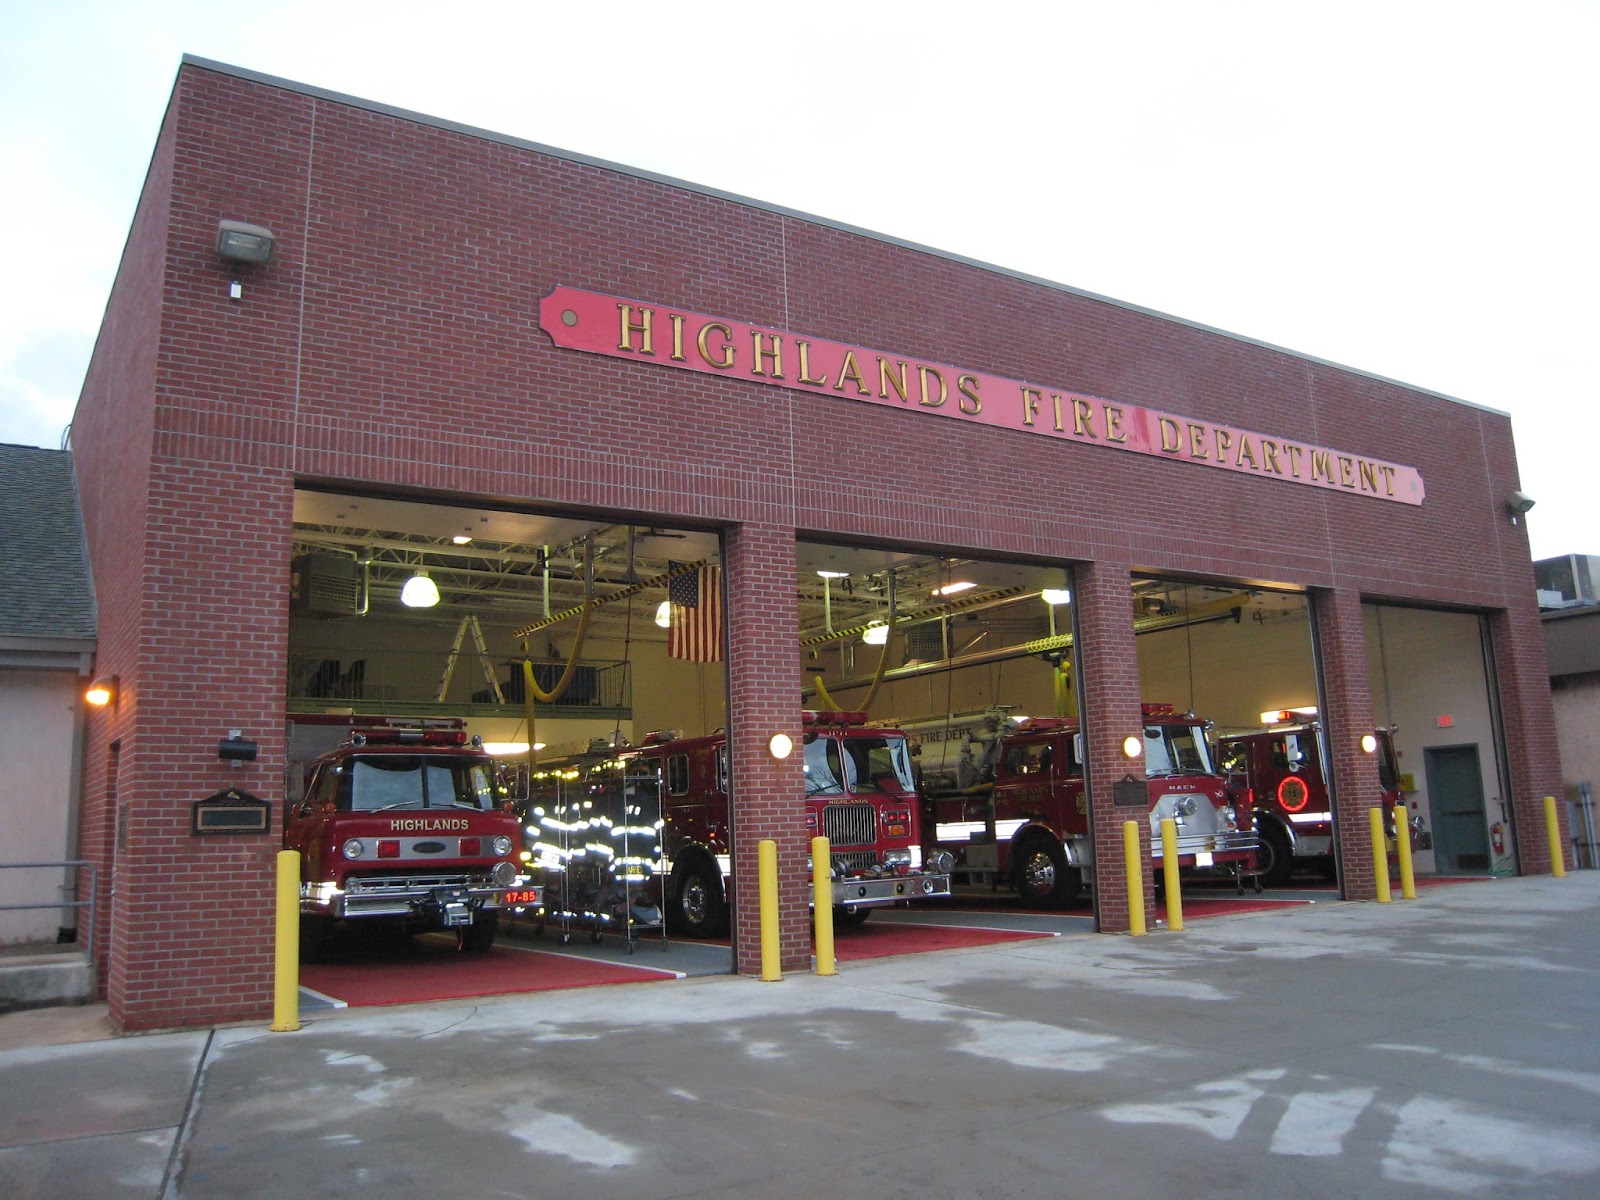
pixel 470 621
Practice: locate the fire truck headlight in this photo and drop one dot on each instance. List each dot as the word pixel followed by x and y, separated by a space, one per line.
pixel 897 858
pixel 502 845
pixel 504 874
pixel 353 848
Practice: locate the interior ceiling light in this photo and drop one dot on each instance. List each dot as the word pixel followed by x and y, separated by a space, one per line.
pixel 833 574
pixel 419 592
pixel 876 634
pixel 950 589
pixel 664 614
pixel 1054 596
pixel 461 539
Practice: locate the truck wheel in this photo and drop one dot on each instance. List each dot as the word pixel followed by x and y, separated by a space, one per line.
pixel 1040 873
pixel 697 908
pixel 479 936
pixel 844 918
pixel 1274 860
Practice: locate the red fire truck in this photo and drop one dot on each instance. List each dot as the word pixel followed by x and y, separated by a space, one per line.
pixel 859 793
pixel 400 825
pixel 1006 797
pixel 1277 774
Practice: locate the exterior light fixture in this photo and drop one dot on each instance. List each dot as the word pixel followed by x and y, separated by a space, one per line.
pixel 1369 743
pixel 243 242
pixel 876 634
pixel 102 691
pixel 419 591
pixel 664 614
pixel 1055 596
pixel 780 745
pixel 1517 504
pixel 1133 745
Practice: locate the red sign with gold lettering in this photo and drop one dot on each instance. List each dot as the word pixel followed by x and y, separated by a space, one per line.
pixel 669 337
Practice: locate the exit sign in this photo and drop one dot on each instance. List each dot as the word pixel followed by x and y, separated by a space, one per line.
pixel 1444 720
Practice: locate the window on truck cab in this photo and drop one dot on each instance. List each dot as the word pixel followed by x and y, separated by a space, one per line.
pixel 677 774
pixel 403 781
pixel 870 763
pixel 1176 750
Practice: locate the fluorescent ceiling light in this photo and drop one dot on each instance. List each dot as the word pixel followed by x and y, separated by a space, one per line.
pixel 950 589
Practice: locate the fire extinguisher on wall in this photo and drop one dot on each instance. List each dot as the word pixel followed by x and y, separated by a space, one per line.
pixel 1497 838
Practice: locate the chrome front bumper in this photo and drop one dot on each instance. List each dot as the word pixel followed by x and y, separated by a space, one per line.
pixel 891 889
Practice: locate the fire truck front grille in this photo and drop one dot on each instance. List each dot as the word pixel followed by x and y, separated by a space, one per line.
pixel 850 824
pixel 855 860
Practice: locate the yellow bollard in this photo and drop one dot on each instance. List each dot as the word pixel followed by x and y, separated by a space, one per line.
pixel 822 903
pixel 286 945
pixel 767 879
pixel 1552 825
pixel 1380 857
pixel 1169 872
pixel 1135 867
pixel 1402 841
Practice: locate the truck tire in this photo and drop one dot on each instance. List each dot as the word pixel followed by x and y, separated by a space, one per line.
pixel 1274 859
pixel 479 936
pixel 1040 873
pixel 844 918
pixel 696 907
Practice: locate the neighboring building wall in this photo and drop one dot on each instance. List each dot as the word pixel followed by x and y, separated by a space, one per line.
pixel 38 746
pixel 1577 707
pixel 393 344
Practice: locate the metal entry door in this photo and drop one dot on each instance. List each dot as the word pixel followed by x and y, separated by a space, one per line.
pixel 1455 800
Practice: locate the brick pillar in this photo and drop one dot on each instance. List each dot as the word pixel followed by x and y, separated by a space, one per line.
pixel 768 795
pixel 1354 785
pixel 1527 718
pixel 1108 676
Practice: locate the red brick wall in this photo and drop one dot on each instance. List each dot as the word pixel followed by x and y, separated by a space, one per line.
pixel 392 344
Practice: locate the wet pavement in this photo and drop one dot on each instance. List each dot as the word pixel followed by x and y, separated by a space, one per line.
pixel 1442 1047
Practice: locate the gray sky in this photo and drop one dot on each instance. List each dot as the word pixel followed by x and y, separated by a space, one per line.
pixel 1407 188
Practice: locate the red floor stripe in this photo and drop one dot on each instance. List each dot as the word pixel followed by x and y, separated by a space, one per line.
pixel 1221 908
pixel 881 941
pixel 441 973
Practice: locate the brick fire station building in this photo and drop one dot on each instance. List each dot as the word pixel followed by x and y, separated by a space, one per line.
pixel 450 313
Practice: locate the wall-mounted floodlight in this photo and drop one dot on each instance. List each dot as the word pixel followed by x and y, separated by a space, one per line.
pixel 1133 745
pixel 780 745
pixel 243 242
pixel 1517 504
pixel 102 691
pixel 1369 743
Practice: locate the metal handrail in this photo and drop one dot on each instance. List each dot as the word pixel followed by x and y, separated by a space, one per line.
pixel 86 930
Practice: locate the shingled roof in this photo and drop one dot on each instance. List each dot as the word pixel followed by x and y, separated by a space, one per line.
pixel 45 586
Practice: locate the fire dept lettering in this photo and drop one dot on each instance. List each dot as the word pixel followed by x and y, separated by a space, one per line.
pixel 428 824
pixel 663 336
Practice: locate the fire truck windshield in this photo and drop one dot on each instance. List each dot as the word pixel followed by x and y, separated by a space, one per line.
pixel 1176 750
pixel 403 781
pixel 864 764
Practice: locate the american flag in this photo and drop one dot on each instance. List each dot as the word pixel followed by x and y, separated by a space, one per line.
pixel 696 630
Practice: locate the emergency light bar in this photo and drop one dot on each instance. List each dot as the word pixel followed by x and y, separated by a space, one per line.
pixel 813 717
